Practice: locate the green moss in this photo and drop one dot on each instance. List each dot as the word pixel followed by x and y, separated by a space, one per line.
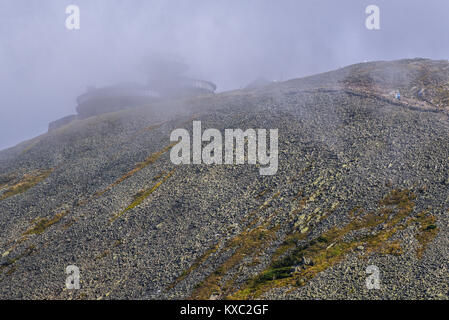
pixel 273 274
pixel 330 247
pixel 248 243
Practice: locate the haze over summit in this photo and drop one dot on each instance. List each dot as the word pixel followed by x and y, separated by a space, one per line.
pixel 44 66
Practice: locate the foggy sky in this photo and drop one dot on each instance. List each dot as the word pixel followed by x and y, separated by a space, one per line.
pixel 44 66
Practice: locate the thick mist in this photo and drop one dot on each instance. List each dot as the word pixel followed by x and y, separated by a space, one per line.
pixel 44 66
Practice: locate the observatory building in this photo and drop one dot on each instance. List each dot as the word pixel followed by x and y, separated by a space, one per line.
pixel 165 80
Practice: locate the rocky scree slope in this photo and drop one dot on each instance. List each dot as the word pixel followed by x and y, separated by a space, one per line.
pixel 363 180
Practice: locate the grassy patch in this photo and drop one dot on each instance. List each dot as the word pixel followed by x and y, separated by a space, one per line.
pixel 427 231
pixel 11 262
pixel 28 181
pixel 333 245
pixel 5 180
pixel 141 196
pixel 42 224
pixel 139 166
pixel 198 262
pixel 247 243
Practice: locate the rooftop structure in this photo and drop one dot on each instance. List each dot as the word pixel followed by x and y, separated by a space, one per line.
pixel 165 80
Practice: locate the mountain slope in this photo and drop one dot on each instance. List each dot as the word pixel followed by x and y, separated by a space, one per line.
pixel 362 180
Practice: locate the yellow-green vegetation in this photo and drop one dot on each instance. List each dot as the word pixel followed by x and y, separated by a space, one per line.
pixel 198 262
pixel 5 180
pixel 142 195
pixel 102 255
pixel 43 223
pixel 248 243
pixel 159 175
pixel 289 243
pixel 28 181
pixel 427 231
pixel 296 261
pixel 139 194
pixel 139 166
pixel 262 193
pixel 10 262
pixel 14 244
pixel 262 207
pixel 294 265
